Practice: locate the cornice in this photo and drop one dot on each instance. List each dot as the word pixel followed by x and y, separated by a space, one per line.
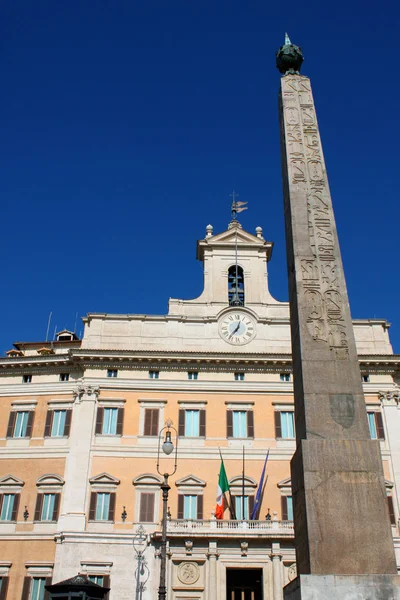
pixel 77 360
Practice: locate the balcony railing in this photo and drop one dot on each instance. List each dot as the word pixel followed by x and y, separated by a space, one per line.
pixel 214 526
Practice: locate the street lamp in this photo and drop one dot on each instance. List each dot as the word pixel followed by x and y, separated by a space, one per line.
pixel 140 544
pixel 167 447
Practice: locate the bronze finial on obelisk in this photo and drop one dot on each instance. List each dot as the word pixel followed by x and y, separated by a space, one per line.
pixel 340 511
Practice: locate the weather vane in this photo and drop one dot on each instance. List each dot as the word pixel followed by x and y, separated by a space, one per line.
pixel 237 206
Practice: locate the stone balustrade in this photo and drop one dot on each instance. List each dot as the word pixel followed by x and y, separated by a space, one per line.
pixel 270 528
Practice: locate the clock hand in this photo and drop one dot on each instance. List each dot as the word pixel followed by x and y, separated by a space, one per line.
pixel 235 330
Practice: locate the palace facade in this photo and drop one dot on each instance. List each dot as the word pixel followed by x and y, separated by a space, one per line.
pixel 79 426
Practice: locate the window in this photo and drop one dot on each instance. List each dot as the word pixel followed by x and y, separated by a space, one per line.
pixel 193 375
pixel 392 516
pixel 287 508
pixel 37 588
pixel 20 424
pixel 151 417
pixel 34 588
pixel 97 579
pixel 376 426
pixel 109 421
pixel 112 373
pixel 284 376
pixel 154 374
pixel 147 500
pixel 284 425
pixel 64 376
pixel 3 587
pixel 9 507
pixel 365 378
pixel 244 507
pixel 240 424
pixel 102 506
pixel 239 376
pixel 192 423
pixel 58 423
pixel 190 506
pixel 235 286
pixel 27 379
pixel 47 507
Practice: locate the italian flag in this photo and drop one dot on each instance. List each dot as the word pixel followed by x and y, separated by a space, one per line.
pixel 223 486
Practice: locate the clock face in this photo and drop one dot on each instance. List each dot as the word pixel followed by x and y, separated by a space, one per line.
pixel 237 328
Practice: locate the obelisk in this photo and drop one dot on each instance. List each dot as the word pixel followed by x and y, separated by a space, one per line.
pixel 341 518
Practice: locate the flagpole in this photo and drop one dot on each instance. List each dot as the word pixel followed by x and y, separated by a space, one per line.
pixel 233 514
pixel 243 487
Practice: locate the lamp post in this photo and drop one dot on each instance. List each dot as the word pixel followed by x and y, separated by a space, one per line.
pixel 167 447
pixel 140 544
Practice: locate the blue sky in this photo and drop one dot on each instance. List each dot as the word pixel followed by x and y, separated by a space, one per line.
pixel 125 126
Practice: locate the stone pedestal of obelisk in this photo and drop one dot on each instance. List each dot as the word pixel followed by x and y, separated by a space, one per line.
pixel 342 531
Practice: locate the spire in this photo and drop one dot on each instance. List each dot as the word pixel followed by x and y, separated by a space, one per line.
pixel 287 40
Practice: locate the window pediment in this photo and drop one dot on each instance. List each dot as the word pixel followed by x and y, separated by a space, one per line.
pixel 10 481
pixel 104 479
pixel 147 479
pixel 190 481
pixel 285 483
pixel 50 482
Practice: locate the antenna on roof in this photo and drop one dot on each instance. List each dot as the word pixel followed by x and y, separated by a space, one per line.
pixel 76 318
pixel 48 325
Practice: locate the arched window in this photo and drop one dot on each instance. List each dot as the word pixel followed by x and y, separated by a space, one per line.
pixel 235 286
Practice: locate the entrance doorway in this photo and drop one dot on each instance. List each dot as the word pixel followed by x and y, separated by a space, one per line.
pixel 244 584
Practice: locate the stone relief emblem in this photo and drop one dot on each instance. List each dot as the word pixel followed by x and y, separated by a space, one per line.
pixel 292 572
pixel 188 573
pixel 342 409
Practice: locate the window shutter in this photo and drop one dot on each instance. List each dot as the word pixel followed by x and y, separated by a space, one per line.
pixel 46 593
pixel 146 507
pixel 29 426
pixel 278 426
pixel 4 587
pixel 200 507
pixel 68 417
pixel 229 423
pixel 99 420
pixel 181 427
pixel 11 424
pixel 26 588
pixel 92 507
pixel 380 432
pixel 284 508
pixel 251 505
pixel 391 510
pixel 56 508
pixel 14 513
pixel 250 424
pixel 1 502
pixel 151 421
pixel 180 506
pixel 38 507
pixel 106 584
pixel 120 421
pixel 154 423
pixel 202 428
pixel 49 421
pixel 111 510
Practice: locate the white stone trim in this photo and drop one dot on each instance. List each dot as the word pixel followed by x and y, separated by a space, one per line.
pixel 38 568
pixel 22 405
pixel 11 484
pixel 60 404
pixel 239 405
pixel 192 404
pixel 93 567
pixel 283 406
pixel 5 566
pixel 104 482
pixel 111 402
pixel 190 485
